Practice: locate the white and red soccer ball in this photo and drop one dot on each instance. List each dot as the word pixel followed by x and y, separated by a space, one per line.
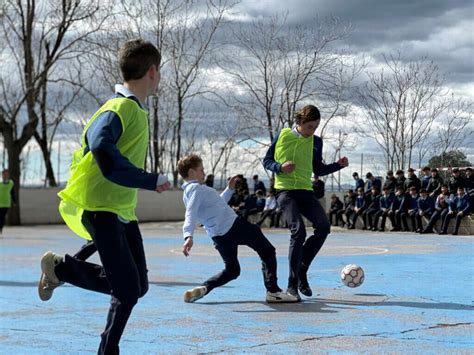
pixel 352 275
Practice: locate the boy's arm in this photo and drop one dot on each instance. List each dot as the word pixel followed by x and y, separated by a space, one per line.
pixel 227 194
pixel 192 208
pixel 269 162
pixel 319 167
pixel 101 138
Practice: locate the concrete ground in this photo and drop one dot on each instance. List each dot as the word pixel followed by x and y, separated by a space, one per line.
pixel 417 298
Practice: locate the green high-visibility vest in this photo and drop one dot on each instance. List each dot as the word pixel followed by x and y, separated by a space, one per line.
pixel 6 194
pixel 298 149
pixel 87 189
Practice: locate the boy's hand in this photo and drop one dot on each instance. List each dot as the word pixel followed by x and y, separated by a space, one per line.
pixel 343 162
pixel 288 166
pixel 232 182
pixel 188 244
pixel 163 187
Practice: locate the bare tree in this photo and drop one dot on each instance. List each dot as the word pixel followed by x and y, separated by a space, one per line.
pixel 401 103
pixel 39 38
pixel 456 129
pixel 278 67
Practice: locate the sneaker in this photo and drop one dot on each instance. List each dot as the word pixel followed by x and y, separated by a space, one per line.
pixel 195 294
pixel 294 292
pixel 48 280
pixel 303 285
pixel 281 297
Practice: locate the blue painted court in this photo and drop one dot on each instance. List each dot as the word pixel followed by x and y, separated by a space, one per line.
pixel 417 298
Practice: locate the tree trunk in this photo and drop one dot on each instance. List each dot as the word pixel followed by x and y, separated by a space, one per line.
pixel 50 178
pixel 15 172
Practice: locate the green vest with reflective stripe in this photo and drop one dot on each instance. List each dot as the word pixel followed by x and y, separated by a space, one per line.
pixel 87 189
pixel 298 149
pixel 6 194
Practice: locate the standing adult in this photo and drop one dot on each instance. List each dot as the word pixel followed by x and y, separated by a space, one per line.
pixel 7 197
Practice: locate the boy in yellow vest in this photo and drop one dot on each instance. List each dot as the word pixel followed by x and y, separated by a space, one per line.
pixel 294 155
pixel 100 198
pixel 7 196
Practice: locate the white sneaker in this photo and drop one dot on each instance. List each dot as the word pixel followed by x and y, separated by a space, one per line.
pixel 195 294
pixel 48 280
pixel 281 297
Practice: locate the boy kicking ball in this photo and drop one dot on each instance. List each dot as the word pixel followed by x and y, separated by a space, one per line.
pixel 205 206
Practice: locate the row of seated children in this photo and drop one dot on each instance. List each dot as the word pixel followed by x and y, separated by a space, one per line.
pixel 399 207
pixel 429 180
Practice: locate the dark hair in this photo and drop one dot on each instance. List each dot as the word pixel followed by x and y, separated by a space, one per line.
pixel 191 161
pixel 368 175
pixel 390 172
pixel 455 170
pixel 355 174
pixel 423 191
pixel 400 188
pixel 434 170
pixel 400 172
pixel 307 114
pixel 136 57
pixel 255 177
pixel 259 193
pixel 411 170
pixel 413 188
pixel 386 188
pixel 350 191
pixel 469 169
pixel 426 168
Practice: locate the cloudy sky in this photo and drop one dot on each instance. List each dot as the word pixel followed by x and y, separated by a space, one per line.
pixel 440 29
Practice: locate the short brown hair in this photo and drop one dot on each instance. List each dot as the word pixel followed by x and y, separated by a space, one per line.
pixel 307 114
pixel 136 57
pixel 191 161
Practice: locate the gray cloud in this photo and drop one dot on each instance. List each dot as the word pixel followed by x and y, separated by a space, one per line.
pixel 439 29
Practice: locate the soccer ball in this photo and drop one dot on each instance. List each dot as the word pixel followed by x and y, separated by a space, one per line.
pixel 352 275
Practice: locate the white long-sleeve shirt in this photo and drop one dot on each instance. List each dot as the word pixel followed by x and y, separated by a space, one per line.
pixel 204 205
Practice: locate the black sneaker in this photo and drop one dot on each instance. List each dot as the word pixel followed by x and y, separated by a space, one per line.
pixel 294 292
pixel 303 285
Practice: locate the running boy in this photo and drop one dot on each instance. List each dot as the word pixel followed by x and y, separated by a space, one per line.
pixel 227 230
pixel 100 198
pixel 293 156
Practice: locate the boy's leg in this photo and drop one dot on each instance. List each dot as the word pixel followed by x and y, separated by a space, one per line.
pixel 3 213
pixel 252 236
pixel 119 271
pixel 227 247
pixel 314 212
pixel 291 213
pixel 458 224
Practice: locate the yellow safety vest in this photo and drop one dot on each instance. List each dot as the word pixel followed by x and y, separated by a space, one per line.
pixel 298 149
pixel 6 194
pixel 87 189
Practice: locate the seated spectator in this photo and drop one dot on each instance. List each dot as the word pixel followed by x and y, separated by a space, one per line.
pixel 359 183
pixel 412 207
pixel 372 181
pixel 373 206
pixel 258 185
pixel 434 184
pixel 248 206
pixel 386 201
pixel 412 181
pixel 455 181
pixel 359 208
pixel 349 203
pixel 400 179
pixel 269 210
pixel 440 210
pixel 426 206
pixel 318 187
pixel 459 207
pixel 469 182
pixel 390 182
pixel 425 179
pixel 334 209
pixel 398 208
